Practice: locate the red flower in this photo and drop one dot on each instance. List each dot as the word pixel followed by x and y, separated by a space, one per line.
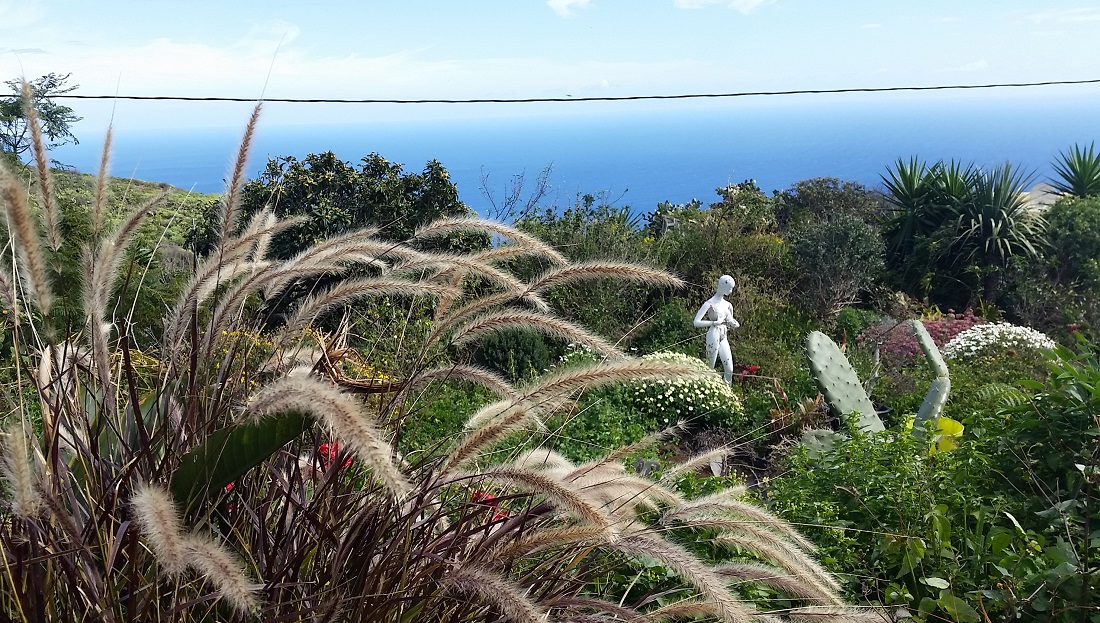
pixel 328 453
pixel 481 497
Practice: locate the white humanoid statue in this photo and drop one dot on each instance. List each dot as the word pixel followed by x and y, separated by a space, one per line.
pixel 716 315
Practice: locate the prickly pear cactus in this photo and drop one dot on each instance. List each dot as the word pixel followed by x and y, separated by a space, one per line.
pixel 936 397
pixel 838 381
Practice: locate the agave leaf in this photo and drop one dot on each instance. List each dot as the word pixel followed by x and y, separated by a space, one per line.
pixel 229 453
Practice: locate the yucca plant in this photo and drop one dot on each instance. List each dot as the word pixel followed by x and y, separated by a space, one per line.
pixel 239 475
pixel 1078 172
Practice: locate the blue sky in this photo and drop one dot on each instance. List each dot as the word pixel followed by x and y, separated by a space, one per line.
pixel 525 48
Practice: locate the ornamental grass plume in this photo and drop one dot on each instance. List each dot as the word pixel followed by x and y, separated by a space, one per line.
pixel 181 481
pixel 19 468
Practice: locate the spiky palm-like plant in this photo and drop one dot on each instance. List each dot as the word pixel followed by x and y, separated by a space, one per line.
pixel 953 221
pixel 187 485
pixel 1078 172
pixel 994 224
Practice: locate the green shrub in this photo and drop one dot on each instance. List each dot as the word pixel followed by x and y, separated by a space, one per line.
pixel 671 329
pixel 516 353
pixel 851 321
pixel 838 259
pixel 431 422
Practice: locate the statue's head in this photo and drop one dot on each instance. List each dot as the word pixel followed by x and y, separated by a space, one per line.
pixel 725 284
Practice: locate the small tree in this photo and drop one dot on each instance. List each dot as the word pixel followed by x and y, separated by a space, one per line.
pixel 823 197
pixel 837 258
pixel 336 197
pixel 56 120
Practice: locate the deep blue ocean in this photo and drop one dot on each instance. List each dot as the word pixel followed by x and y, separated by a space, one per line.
pixel 640 154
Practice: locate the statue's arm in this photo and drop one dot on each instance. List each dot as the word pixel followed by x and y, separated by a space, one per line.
pixel 700 322
pixel 730 320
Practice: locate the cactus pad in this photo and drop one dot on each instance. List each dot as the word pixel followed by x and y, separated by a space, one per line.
pixel 933 404
pixel 931 353
pixel 839 383
pixel 936 397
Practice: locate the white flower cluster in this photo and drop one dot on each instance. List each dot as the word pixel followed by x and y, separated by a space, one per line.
pixel 992 338
pixel 667 401
pixel 577 354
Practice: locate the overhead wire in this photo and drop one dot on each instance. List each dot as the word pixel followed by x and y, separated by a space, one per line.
pixel 609 98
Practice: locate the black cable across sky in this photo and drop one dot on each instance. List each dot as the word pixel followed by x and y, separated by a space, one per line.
pixel 532 100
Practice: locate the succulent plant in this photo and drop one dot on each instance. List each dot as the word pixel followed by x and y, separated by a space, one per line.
pixel 936 397
pixel 839 383
pixel 844 392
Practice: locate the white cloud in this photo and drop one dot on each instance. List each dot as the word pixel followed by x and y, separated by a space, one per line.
pixel 564 8
pixel 744 6
pixel 974 66
pixel 18 14
pixel 748 6
pixel 696 4
pixel 1067 15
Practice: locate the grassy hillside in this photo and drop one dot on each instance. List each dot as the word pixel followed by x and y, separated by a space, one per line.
pixel 178 214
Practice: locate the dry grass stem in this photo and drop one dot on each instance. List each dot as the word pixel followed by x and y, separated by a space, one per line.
pixel 797 564
pixel 542 540
pixel 694 463
pixel 544 323
pixel 686 609
pixel 623 493
pixel 626 615
pixel 826 614
pixel 99 203
pixel 341 413
pixel 450 260
pixel 501 418
pixel 623 451
pixel 236 178
pixel 221 265
pixel 25 239
pixel 561 494
pixel 497 591
pixel 159 520
pixel 108 260
pixel 533 245
pixel 605 270
pixel 222 568
pixel 20 470
pixel 770 576
pixel 470 373
pixel 690 568
pixel 7 292
pixel 723 502
pixel 346 291
pixel 605 373
pixel 544 459
pixel 42 167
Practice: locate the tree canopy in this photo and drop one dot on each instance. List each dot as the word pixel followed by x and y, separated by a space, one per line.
pixel 55 119
pixel 336 197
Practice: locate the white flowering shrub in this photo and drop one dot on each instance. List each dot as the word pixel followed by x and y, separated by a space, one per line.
pixel 707 400
pixel 989 339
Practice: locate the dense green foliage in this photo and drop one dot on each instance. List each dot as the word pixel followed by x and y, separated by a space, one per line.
pixel 336 197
